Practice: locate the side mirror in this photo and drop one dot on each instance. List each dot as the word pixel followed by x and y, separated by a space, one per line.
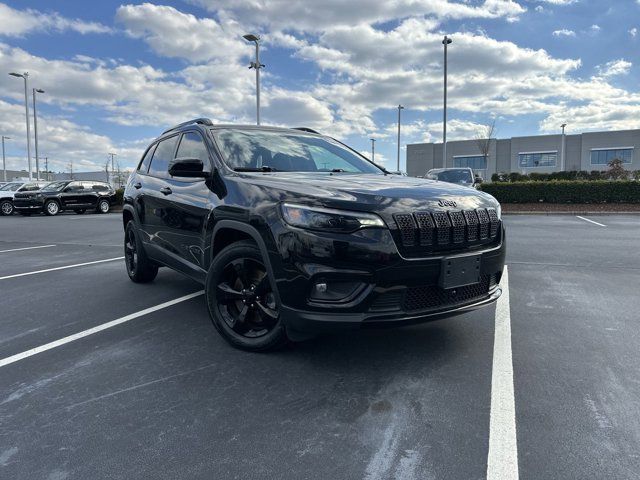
pixel 478 179
pixel 187 168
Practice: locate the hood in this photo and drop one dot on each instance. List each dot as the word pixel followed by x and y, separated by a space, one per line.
pixel 390 193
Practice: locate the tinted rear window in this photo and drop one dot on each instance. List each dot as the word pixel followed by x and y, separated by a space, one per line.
pixel 162 156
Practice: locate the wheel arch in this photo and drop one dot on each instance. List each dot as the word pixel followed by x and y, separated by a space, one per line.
pixel 240 231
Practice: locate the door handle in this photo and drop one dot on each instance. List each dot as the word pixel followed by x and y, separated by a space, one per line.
pixel 137 185
pixel 166 191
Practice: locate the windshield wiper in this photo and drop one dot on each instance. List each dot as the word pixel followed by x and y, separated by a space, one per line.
pixel 337 170
pixel 264 168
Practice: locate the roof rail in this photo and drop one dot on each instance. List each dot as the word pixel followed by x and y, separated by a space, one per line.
pixel 306 129
pixel 199 121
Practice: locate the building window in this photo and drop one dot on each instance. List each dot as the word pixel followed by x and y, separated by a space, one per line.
pixel 476 162
pixel 602 156
pixel 538 159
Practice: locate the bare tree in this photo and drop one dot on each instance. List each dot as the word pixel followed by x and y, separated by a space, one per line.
pixel 483 137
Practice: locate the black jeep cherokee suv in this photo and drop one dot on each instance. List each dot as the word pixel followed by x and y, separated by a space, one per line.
pixel 293 233
pixel 78 196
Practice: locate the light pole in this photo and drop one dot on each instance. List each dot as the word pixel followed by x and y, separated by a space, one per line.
pixel 35 130
pixel 4 160
pixel 46 167
pixel 373 149
pixel 25 76
pixel 563 142
pixel 446 42
pixel 113 170
pixel 400 107
pixel 257 65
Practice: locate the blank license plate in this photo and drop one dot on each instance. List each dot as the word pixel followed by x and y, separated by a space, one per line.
pixel 460 271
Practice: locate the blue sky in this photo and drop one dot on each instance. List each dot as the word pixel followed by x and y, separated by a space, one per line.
pixel 116 74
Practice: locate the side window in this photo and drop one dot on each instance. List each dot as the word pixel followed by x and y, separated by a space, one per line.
pixel 74 187
pixel 192 146
pixel 146 160
pixel 30 187
pixel 100 187
pixel 162 156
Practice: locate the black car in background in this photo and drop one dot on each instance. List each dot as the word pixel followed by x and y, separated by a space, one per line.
pixel 78 196
pixel 293 233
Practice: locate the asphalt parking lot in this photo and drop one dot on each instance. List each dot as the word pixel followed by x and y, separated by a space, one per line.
pixel 160 395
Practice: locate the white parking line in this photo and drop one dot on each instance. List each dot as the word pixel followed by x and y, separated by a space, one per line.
pixel 590 221
pixel 60 268
pixel 91 331
pixel 502 461
pixel 25 248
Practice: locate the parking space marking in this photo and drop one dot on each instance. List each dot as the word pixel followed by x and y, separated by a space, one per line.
pixel 502 461
pixel 590 221
pixel 99 328
pixel 60 268
pixel 25 248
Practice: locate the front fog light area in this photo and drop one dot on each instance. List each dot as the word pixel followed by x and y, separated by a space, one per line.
pixel 333 292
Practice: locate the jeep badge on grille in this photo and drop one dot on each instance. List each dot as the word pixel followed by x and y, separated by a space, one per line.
pixel 447 203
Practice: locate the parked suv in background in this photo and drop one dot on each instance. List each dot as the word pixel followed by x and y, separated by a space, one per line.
pixel 292 234
pixel 10 189
pixel 460 176
pixel 78 196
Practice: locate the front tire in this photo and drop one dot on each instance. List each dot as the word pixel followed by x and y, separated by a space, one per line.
pixel 51 208
pixel 6 207
pixel 241 300
pixel 103 206
pixel 139 268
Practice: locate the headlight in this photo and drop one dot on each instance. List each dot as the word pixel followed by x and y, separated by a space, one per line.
pixel 499 211
pixel 328 220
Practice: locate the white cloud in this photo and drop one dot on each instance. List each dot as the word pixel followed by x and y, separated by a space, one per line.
pixel 564 33
pixel 171 33
pixel 595 28
pixel 315 16
pixel 633 32
pixel 20 22
pixel 614 67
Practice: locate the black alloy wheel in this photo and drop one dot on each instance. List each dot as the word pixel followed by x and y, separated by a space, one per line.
pixel 242 303
pixel 139 268
pixel 245 299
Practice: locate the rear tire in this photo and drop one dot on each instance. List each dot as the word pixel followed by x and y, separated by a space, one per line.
pixel 241 300
pixel 51 208
pixel 139 268
pixel 6 207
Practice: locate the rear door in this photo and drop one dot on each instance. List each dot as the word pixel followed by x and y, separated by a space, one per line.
pixel 157 218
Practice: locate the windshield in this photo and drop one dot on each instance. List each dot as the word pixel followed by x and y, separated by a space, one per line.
pixel 255 150
pixel 453 176
pixel 10 187
pixel 54 187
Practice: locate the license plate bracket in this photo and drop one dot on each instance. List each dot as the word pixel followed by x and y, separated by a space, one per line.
pixel 460 271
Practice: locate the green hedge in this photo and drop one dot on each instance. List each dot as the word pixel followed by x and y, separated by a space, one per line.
pixel 119 196
pixel 565 191
pixel 571 175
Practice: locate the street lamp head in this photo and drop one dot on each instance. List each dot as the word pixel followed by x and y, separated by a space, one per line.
pixel 563 125
pixel 39 90
pixel 250 37
pixel 400 107
pixel 447 41
pixel 14 74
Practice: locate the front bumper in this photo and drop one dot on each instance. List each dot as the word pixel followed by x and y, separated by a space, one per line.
pixel 394 290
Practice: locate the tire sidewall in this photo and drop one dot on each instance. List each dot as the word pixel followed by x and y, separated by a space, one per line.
pixel 46 208
pixel 103 202
pixel 2 206
pixel 272 339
